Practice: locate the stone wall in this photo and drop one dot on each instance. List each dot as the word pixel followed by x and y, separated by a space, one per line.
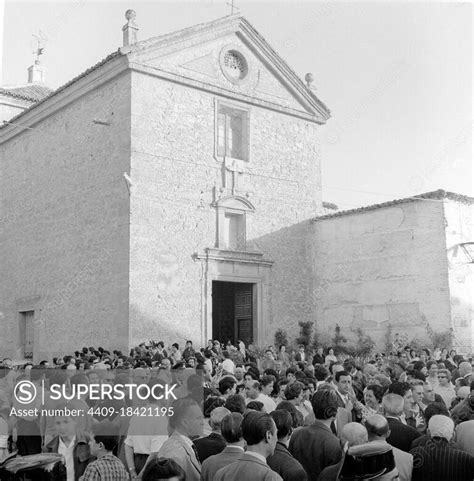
pixel 65 227
pixel 382 267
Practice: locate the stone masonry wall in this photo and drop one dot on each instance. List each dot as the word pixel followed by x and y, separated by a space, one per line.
pixel 175 173
pixel 65 227
pixel 382 267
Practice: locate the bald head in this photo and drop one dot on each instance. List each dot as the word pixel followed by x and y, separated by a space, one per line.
pixel 354 433
pixel 377 427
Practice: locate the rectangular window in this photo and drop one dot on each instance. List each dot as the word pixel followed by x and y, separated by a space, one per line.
pixel 27 333
pixel 232 133
pixel 234 231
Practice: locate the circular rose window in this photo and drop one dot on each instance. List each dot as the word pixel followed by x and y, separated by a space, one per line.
pixel 233 64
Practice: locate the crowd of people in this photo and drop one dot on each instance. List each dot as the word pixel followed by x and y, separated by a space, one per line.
pixel 291 415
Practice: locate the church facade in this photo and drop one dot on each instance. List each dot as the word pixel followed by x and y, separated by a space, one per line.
pixel 163 194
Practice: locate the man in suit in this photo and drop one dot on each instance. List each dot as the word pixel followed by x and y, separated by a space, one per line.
pixel 214 443
pixel 231 428
pixel 260 433
pixel 378 431
pixel 185 424
pixel 401 436
pixel 315 446
pixel 281 461
pixel 437 460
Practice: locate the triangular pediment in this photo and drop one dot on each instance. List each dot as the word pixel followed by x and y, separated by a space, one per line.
pixel 209 55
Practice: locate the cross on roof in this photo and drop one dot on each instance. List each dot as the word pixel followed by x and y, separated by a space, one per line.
pixel 40 42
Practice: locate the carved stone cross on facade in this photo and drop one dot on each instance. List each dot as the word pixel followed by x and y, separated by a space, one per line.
pixel 232 170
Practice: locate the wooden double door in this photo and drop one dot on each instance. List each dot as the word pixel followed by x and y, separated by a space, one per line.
pixel 232 311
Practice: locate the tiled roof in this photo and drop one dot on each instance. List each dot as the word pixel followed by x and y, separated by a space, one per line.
pixel 29 92
pixel 63 87
pixel 435 195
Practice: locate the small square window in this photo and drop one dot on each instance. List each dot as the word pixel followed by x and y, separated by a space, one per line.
pixel 232 133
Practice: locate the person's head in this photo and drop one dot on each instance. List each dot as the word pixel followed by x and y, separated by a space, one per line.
pixel 290 374
pixel 160 469
pixel 417 391
pixel 269 354
pixel 255 406
pixel 189 344
pixel 294 392
pixel 444 377
pixel 325 404
pixel 440 426
pixel 465 368
pixel 253 389
pixel 320 372
pixel 428 393
pixel 267 384
pixel 343 382
pixel 432 367
pixel 227 385
pixel 235 404
pixel 65 425
pixel 231 428
pixel 217 415
pixel 403 389
pixel 330 351
pixel 282 348
pixel 104 438
pixel 393 404
pixel 377 427
pixel 373 395
pixel 283 422
pixel 166 364
pixel 187 418
pixel 259 430
pixel 354 434
pixel 239 372
pixel 433 409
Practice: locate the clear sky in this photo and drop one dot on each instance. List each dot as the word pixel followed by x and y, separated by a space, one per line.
pixel 397 77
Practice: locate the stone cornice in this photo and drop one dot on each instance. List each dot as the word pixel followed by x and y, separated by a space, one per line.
pixel 226 93
pixel 240 257
pixel 64 97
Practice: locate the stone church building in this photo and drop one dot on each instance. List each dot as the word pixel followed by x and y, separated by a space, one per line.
pixel 173 191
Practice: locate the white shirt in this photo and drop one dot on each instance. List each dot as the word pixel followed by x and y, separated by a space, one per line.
pixel 68 453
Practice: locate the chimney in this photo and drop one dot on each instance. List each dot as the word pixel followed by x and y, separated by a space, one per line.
pixel 36 73
pixel 130 29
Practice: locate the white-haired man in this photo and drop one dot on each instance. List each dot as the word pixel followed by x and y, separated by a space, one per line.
pixel 437 460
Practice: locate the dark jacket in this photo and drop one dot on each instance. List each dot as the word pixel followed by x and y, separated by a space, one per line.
pixel 81 453
pixel 438 461
pixel 282 462
pixel 315 447
pixel 401 435
pixel 318 359
pixel 210 445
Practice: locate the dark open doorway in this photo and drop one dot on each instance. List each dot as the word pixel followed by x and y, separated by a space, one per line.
pixel 232 311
